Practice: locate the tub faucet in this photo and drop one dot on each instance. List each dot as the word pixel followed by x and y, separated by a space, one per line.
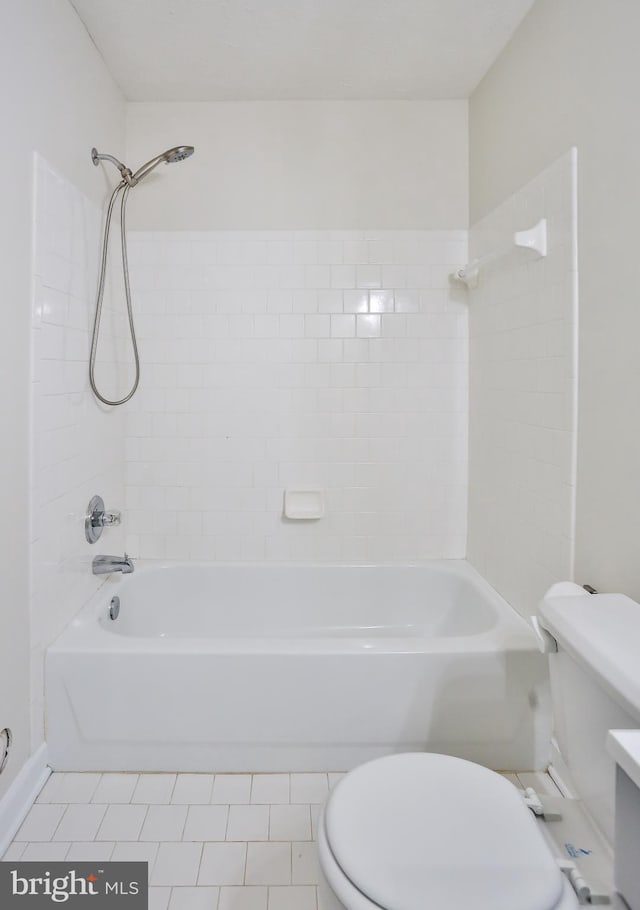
pixel 103 565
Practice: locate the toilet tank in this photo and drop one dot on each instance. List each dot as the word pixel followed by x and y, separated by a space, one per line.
pixel 595 687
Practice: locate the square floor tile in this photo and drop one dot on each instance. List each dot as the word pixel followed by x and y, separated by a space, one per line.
pixel 13 852
pixel 122 822
pixel 293 897
pixel 70 788
pixel 304 864
pixel 136 852
pixel 159 898
pixel 80 822
pixel 49 793
pixel 247 898
pixel 231 788
pixel 222 864
pixel 192 788
pixel 46 853
pixel 194 899
pixel 164 823
pixel 79 787
pixel 115 788
pixel 289 823
pixel 176 864
pixel 270 788
pixel 91 851
pixel 206 823
pixel 41 822
pixel 248 823
pixel 154 788
pixel 268 864
pixel 309 788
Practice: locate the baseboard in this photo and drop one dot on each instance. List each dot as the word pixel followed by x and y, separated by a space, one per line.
pixel 22 794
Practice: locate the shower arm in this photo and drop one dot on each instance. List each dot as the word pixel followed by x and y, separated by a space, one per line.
pixel 97 156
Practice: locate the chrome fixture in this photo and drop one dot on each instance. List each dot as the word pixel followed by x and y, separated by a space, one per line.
pixel 97 518
pixel 104 565
pixel 129 180
pixel 114 607
pixel 179 153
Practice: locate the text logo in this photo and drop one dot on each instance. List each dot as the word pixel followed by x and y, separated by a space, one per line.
pixel 35 886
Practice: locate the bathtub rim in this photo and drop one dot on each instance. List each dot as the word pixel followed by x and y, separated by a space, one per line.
pixel 86 631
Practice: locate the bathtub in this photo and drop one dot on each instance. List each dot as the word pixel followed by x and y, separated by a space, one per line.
pixel 284 668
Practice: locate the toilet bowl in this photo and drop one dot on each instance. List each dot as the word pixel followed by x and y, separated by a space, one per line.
pixel 417 830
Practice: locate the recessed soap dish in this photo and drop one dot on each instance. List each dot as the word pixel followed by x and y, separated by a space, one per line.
pixel 304 505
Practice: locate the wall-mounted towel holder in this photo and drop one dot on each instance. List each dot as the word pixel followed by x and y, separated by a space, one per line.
pixel 534 239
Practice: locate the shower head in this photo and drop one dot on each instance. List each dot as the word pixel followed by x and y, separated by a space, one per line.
pixel 179 153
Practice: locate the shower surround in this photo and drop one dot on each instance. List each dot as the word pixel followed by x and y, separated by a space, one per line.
pixel 523 324
pixel 274 360
pixel 77 446
pixel 269 361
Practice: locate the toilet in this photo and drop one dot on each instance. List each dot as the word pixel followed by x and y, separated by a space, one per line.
pixel 413 831
pixel 419 830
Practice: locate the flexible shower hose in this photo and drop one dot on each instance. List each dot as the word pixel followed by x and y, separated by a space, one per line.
pixel 125 187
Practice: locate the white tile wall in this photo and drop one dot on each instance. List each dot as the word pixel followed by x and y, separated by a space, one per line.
pixel 523 380
pixel 271 360
pixel 77 448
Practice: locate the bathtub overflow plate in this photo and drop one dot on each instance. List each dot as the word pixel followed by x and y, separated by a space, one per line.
pixel 114 607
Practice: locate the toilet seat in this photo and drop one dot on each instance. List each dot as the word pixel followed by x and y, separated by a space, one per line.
pixel 416 830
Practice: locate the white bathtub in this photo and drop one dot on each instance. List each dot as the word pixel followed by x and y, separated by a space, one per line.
pixel 266 668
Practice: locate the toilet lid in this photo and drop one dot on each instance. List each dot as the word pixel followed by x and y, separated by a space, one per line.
pixel 423 830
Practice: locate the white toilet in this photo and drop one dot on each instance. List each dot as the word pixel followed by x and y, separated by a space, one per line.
pixel 419 830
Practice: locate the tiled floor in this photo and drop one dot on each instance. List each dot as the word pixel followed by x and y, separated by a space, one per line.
pixel 223 842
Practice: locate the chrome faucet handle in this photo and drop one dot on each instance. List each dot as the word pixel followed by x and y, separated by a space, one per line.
pixel 110 518
pixel 98 517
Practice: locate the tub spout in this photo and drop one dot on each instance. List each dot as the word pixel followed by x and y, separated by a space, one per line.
pixel 104 565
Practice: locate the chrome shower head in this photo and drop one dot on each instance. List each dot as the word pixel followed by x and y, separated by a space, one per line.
pixel 179 153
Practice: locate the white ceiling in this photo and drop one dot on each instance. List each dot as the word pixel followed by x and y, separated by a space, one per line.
pixel 215 50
